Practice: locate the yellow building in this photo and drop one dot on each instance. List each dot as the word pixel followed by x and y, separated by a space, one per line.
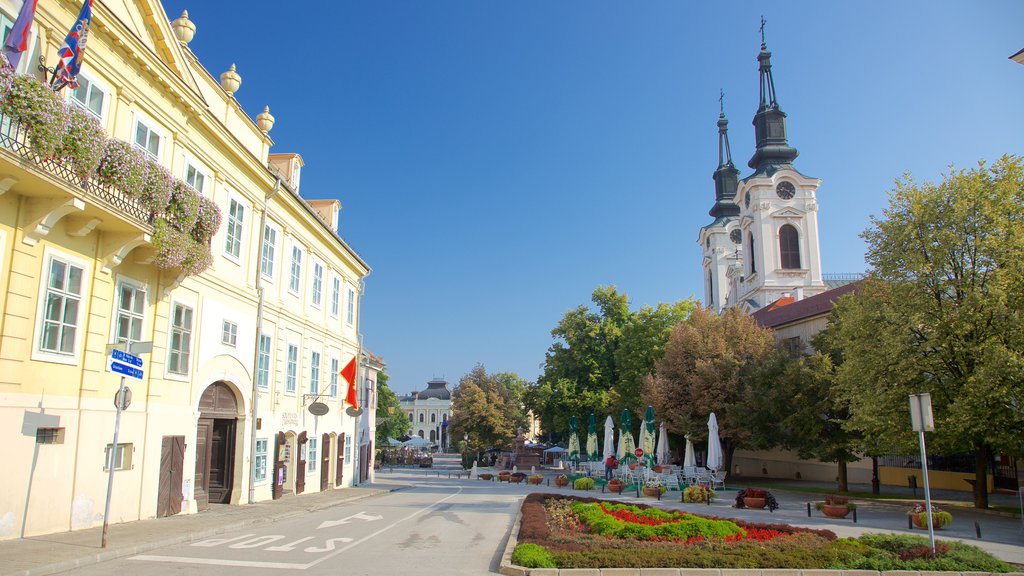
pixel 80 269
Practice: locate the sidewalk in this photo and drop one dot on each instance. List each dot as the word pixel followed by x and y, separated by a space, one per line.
pixel 54 553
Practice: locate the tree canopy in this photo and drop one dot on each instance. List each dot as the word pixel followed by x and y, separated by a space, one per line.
pixel 391 419
pixel 488 408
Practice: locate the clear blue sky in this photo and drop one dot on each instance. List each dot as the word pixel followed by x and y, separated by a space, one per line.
pixel 497 161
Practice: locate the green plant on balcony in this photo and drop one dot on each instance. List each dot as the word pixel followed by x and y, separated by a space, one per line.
pixel 6 76
pixel 122 167
pixel 42 112
pixel 155 192
pixel 82 145
pixel 183 208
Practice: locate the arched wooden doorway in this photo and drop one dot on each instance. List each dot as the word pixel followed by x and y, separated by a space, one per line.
pixel 215 445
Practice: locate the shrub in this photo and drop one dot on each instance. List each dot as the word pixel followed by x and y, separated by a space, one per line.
pixel 624 521
pixel 701 493
pixel 155 190
pixel 122 167
pixel 583 484
pixel 43 113
pixel 533 556
pixel 82 144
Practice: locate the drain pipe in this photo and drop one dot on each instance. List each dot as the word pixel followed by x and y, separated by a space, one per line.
pixel 259 337
pixel 360 370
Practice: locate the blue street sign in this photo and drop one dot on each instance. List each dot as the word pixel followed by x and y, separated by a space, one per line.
pixel 126 358
pixel 126 370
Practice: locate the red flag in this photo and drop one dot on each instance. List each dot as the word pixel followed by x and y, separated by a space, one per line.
pixel 349 374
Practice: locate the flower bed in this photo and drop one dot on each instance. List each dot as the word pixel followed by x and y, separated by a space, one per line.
pixel 573 532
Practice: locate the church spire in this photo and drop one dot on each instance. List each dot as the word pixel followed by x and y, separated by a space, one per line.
pixel 773 148
pixel 726 177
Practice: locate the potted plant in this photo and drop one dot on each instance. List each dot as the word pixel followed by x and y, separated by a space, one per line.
pixel 756 498
pixel 583 483
pixel 535 479
pixel 503 476
pixel 561 480
pixel 517 477
pixel 654 488
pixel 919 516
pixel 616 485
pixel 486 477
pixel 701 493
pixel 835 506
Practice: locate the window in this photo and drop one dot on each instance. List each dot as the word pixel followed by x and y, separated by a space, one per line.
pixel 194 177
pixel 88 96
pixel 421 418
pixel 180 340
pixel 753 264
pixel 60 317
pixel 267 257
pixel 30 58
pixel 333 390
pixel 410 416
pixel 351 306
pixel 793 346
pixel 146 139
pixel 122 457
pixel 318 281
pixel 311 454
pixel 131 308
pixel 335 295
pixel 314 373
pixel 49 435
pixel 293 369
pixel 229 333
pixel 259 468
pixel 263 365
pixel 233 239
pixel 433 418
pixel 348 449
pixel 293 282
pixel 789 247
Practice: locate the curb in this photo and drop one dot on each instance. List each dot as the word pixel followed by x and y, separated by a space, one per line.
pixel 113 554
pixel 507 567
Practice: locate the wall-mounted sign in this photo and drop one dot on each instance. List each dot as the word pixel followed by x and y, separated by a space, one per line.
pixel 319 409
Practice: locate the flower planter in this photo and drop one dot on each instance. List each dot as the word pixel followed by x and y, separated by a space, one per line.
pixel 653 492
pixel 753 502
pixel 616 486
pixel 835 510
pixel 561 481
pixel 486 476
pixel 921 521
pixel 535 479
pixel 518 477
pixel 503 476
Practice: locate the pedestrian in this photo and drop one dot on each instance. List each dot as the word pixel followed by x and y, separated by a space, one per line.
pixel 610 464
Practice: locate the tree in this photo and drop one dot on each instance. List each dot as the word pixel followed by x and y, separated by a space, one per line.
pixel 941 313
pixel 707 367
pixel 391 420
pixel 488 408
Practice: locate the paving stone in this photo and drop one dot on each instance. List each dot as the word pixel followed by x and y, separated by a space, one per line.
pixel 741 572
pixel 659 572
pixel 620 572
pixel 543 572
pixel 784 573
pixel 580 572
pixel 822 573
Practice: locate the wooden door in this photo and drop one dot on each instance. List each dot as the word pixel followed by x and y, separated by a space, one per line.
pixel 222 452
pixel 325 462
pixel 300 463
pixel 172 462
pixel 204 430
pixel 278 480
pixel 340 474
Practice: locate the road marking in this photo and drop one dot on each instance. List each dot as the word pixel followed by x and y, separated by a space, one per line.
pixel 347 519
pixel 220 562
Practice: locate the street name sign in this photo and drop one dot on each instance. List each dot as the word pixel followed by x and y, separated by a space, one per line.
pixel 125 370
pixel 126 358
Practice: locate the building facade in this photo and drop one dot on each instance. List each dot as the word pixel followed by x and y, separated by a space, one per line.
pixel 429 411
pixel 221 412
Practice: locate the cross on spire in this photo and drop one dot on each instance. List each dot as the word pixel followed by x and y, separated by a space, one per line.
pixel 763 22
pixel 721 101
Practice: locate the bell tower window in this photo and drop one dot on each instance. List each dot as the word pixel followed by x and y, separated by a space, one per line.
pixel 789 247
pixel 753 262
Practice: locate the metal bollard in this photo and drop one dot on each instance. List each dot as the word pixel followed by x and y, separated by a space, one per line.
pixel 977 530
pixel 910 523
pixel 808 509
pixel 854 515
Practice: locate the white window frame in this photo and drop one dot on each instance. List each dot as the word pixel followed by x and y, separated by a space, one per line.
pixel 200 171
pixel 295 269
pixel 122 458
pixel 315 360
pixel 229 333
pixel 234 230
pixel 291 374
pixel 260 457
pixel 170 338
pixel 276 233
pixel 38 353
pixel 350 313
pixel 153 128
pixel 31 56
pixel 332 389
pixel 93 84
pixel 312 455
pixel 316 290
pixel 116 314
pixel 263 362
pixel 335 295
pixel 348 448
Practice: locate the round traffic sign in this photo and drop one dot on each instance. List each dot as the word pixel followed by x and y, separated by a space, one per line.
pixel 127 400
pixel 639 452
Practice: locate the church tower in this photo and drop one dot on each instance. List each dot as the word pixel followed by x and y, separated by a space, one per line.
pixel 720 240
pixel 778 212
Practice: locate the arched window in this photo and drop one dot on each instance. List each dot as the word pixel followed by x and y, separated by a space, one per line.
pixel 421 418
pixel 445 417
pixel 711 289
pixel 420 433
pixel 753 262
pixel 433 418
pixel 432 437
pixel 410 416
pixel 789 247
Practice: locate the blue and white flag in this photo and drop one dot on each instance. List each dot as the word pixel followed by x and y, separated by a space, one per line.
pixel 72 52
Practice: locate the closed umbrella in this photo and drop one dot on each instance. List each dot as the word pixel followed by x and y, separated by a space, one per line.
pixel 663 451
pixel 714 444
pixel 689 461
pixel 609 438
pixel 647 434
pixel 627 445
pixel 574 440
pixel 592 454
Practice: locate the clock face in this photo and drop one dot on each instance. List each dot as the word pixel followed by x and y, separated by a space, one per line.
pixel 785 190
pixel 746 200
pixel 735 236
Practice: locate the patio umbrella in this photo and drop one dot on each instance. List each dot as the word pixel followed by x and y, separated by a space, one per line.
pixel 663 453
pixel 627 445
pixel 647 434
pixel 574 440
pixel 592 454
pixel 689 461
pixel 609 438
pixel 714 444
pixel 393 442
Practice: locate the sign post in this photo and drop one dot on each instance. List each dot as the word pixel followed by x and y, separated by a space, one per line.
pixel 124 363
pixel 922 421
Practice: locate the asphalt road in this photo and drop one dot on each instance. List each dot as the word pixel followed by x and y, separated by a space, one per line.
pixel 437 526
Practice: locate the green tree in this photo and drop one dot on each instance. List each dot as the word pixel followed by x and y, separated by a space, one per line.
pixel 391 420
pixel 707 367
pixel 488 409
pixel 941 314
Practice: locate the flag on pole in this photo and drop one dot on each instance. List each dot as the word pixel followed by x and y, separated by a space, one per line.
pixel 17 40
pixel 349 374
pixel 71 54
